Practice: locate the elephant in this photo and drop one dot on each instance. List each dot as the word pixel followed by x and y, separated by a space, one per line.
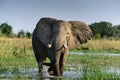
pixel 52 38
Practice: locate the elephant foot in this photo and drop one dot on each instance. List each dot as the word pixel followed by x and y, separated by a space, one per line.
pixel 40 71
pixel 50 71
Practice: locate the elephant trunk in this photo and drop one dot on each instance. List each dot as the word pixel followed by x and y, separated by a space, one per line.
pixel 59 43
pixel 59 47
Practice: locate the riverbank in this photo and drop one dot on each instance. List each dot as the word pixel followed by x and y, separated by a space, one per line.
pixel 96 51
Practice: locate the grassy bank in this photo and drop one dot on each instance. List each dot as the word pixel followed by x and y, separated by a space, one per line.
pixel 113 51
pixel 17 47
pixel 102 44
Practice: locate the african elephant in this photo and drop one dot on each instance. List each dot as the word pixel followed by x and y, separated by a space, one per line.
pixel 53 38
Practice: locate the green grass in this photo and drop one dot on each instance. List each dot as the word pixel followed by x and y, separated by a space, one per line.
pixel 16 57
pixel 92 66
pixel 15 66
pixel 94 60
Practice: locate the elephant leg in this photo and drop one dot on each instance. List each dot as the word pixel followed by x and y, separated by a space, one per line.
pixel 39 60
pixel 52 60
pixel 62 62
pixel 56 69
pixel 50 70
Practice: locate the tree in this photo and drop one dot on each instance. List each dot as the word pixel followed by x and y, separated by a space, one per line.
pixel 95 29
pixel 102 28
pixel 6 29
pixel 106 29
pixel 21 34
pixel 116 31
pixel 28 34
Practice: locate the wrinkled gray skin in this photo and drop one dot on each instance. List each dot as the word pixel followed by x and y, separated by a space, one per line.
pixel 53 38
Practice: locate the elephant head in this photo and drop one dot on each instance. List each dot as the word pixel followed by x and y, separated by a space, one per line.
pixel 58 36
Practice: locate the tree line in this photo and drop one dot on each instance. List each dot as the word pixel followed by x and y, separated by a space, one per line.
pixel 105 29
pixel 6 31
pixel 101 29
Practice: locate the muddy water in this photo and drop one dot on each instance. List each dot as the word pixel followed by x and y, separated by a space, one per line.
pixel 74 72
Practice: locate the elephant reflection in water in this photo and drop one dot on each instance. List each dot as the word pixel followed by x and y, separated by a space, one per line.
pixel 53 38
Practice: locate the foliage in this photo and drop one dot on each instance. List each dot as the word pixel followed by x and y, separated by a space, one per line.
pixel 21 34
pixel 6 29
pixel 102 28
pixel 105 29
pixel 116 31
pixel 28 34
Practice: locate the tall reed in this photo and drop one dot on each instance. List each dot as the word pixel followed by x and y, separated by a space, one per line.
pixel 15 46
pixel 102 44
pixel 23 46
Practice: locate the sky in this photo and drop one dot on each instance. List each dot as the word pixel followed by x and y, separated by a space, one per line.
pixel 24 14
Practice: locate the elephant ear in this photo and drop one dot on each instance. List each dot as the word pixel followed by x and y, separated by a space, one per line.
pixel 44 30
pixel 81 32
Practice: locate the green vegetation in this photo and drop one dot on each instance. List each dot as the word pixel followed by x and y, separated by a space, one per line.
pixel 23 34
pixel 96 67
pixel 17 60
pixel 6 31
pixel 105 29
pixel 12 67
pixel 23 46
pixel 100 46
pixel 97 51
pixel 15 47
pixel 93 67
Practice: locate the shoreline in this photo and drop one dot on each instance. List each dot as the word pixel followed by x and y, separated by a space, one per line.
pixel 96 51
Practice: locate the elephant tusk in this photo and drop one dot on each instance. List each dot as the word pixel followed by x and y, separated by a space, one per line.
pixel 65 44
pixel 49 45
